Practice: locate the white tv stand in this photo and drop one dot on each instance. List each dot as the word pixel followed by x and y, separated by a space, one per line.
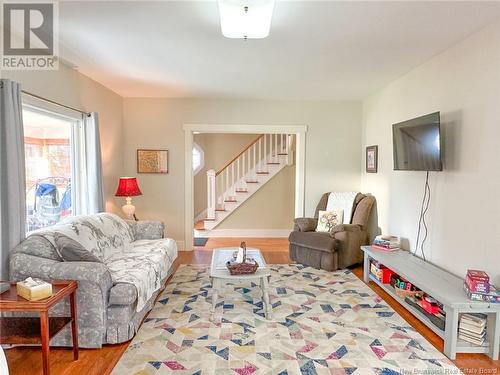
pixel 444 287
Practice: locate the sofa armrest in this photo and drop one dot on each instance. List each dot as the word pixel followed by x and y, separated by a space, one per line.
pixel 305 224
pixel 147 229
pixel 94 284
pixel 95 274
pixel 344 228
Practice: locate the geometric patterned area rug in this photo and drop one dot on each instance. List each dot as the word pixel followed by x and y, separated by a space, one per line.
pixel 322 323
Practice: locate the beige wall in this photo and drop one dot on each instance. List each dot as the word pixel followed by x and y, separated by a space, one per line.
pixel 69 87
pixel 463 83
pixel 271 207
pixel 332 145
pixel 219 149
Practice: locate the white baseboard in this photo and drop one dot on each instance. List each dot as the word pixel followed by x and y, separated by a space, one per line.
pixel 265 233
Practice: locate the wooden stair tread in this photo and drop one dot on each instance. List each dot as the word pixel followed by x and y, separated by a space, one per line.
pixel 282 154
pixel 273 163
pixel 231 200
pixel 252 182
pixel 262 172
pixel 200 225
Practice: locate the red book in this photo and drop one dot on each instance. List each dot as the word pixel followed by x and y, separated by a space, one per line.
pixel 384 248
pixel 477 285
pixel 478 275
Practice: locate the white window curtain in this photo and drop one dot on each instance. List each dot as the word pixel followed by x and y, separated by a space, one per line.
pixel 93 194
pixel 12 172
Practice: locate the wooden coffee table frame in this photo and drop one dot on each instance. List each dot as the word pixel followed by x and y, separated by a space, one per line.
pixel 32 330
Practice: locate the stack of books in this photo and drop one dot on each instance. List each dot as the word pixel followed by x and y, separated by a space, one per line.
pixel 477 281
pixel 478 288
pixel 387 243
pixel 472 328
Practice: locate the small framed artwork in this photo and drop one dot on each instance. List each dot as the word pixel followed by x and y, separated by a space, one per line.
pixel 152 161
pixel 371 159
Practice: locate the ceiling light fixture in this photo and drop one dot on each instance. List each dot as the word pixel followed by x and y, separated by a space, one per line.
pixel 246 19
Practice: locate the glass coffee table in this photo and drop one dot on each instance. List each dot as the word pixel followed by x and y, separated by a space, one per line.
pixel 219 275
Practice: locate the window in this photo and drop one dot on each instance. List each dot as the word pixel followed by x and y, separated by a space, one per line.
pixel 52 149
pixel 198 159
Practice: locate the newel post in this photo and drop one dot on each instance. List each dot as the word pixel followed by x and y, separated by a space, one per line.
pixel 211 194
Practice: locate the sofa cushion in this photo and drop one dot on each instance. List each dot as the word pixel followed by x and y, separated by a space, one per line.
pixel 144 265
pixel 72 251
pixel 147 229
pixel 122 294
pixel 314 240
pixel 102 234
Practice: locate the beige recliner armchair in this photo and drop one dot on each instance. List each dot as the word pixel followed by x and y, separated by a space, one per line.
pixel 340 247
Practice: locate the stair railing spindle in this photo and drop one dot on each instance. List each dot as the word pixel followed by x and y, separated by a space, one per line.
pixel 276 152
pixel 233 190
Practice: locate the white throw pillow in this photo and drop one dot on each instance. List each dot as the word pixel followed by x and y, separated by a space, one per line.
pixel 328 219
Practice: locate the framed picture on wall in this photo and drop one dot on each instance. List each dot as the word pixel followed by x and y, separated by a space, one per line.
pixel 152 161
pixel 371 159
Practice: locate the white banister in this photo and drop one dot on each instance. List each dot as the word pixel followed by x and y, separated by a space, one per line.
pixel 289 140
pixel 226 190
pixel 211 193
pixel 249 159
pixel 271 148
pixel 264 160
pixel 232 180
pixel 237 187
pixel 260 154
pixel 276 152
pixel 254 162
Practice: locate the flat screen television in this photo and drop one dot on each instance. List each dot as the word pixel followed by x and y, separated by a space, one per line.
pixel 417 144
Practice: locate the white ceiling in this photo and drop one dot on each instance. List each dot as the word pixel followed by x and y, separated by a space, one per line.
pixel 316 49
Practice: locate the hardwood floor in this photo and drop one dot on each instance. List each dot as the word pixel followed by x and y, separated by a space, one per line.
pixel 27 360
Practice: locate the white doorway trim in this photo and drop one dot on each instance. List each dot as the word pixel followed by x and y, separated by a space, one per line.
pixel 300 152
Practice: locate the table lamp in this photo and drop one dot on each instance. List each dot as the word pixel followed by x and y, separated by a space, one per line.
pixel 128 188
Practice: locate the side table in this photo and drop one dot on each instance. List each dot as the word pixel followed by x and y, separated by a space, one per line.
pixel 31 330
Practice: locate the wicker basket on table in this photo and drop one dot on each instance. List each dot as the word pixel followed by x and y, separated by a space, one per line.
pixel 247 267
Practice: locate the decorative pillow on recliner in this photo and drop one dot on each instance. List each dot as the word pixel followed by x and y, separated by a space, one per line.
pixel 71 251
pixel 328 219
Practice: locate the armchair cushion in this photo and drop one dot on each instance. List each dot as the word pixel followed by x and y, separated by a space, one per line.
pixel 305 224
pixel 313 240
pixel 344 228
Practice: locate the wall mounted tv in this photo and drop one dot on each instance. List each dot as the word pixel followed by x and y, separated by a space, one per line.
pixel 417 144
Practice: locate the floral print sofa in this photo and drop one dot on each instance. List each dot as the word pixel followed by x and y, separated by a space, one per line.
pixel 120 266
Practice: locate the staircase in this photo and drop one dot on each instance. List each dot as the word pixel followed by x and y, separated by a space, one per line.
pixel 252 168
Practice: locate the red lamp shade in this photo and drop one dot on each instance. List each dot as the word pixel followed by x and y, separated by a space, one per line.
pixel 127 187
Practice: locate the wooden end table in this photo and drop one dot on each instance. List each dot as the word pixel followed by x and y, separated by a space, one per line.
pixel 31 330
pixel 220 275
